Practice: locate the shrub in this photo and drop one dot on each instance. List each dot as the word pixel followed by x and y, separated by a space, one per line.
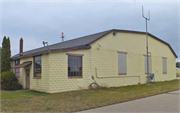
pixel 18 86
pixel 9 81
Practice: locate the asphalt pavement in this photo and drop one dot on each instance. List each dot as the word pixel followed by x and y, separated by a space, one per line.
pixel 167 102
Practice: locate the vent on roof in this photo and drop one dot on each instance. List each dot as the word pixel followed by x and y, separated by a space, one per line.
pixel 62 37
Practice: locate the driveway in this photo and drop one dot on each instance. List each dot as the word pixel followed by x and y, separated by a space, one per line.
pixel 167 102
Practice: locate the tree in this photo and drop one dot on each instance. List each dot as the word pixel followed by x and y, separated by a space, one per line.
pixel 0 60
pixel 5 55
pixel 178 64
pixel 9 54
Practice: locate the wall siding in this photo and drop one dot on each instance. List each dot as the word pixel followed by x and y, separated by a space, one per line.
pixel 103 62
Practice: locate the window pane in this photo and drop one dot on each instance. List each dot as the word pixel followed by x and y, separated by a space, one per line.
pixel 38 58
pixel 17 74
pixel 17 62
pixel 74 73
pixel 37 66
pixel 74 65
pixel 69 69
pixel 38 74
pixel 38 63
pixel 38 69
pixel 16 70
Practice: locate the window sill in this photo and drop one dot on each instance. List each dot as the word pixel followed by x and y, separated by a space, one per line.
pixel 36 77
pixel 122 73
pixel 164 73
pixel 75 77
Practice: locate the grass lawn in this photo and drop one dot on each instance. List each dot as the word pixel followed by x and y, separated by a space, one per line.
pixel 31 101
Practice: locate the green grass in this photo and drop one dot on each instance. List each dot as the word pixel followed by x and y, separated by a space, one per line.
pixel 31 101
pixel 21 94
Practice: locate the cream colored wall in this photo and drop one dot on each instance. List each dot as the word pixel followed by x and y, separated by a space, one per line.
pixel 36 84
pixel 58 74
pixel 105 58
pixel 43 83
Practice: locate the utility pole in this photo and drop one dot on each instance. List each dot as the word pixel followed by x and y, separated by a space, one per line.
pixel 146 41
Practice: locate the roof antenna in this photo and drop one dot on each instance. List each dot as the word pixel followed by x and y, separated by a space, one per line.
pixel 62 37
pixel 44 43
pixel 146 41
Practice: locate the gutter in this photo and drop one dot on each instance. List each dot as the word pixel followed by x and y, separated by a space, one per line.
pixel 50 51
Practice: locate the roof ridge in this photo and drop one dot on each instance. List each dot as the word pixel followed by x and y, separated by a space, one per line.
pixel 81 37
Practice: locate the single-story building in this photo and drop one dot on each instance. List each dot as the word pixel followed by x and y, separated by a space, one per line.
pixel 111 58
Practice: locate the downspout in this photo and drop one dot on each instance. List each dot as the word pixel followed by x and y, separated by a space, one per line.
pixel 115 76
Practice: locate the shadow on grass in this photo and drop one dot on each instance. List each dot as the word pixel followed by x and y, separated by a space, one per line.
pixel 21 94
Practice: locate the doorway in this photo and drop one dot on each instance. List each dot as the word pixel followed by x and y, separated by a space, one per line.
pixel 27 78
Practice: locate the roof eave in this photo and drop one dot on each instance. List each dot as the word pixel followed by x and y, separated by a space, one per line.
pixel 138 32
pixel 51 51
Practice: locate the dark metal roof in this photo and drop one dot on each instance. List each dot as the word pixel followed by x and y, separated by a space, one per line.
pixel 78 43
pixel 66 45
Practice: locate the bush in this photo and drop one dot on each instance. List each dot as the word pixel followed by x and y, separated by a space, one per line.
pixel 9 81
pixel 18 86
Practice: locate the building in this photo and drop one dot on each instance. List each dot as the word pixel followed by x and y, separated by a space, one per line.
pixel 111 58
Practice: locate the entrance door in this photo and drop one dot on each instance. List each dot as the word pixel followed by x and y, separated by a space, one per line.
pixel 27 79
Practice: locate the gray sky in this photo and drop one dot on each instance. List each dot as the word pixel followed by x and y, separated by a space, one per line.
pixel 45 20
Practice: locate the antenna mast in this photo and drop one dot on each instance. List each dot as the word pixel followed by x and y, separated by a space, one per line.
pixel 146 41
pixel 62 37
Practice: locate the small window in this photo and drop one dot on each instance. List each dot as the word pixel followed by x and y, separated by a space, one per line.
pixel 74 66
pixel 37 67
pixel 164 63
pixel 17 70
pixel 122 64
pixel 145 58
pixel 17 62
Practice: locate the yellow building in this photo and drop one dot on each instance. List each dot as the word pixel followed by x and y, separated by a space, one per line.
pixel 111 58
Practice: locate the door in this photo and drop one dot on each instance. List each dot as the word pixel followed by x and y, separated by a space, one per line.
pixel 27 78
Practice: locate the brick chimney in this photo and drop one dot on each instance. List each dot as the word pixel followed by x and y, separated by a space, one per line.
pixel 21 47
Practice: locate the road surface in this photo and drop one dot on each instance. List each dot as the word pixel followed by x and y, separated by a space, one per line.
pixel 167 102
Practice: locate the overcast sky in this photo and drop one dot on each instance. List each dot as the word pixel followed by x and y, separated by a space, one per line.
pixel 44 20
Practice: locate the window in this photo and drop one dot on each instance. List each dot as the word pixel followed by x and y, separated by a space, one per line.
pixel 17 62
pixel 122 63
pixel 164 63
pixel 74 65
pixel 17 70
pixel 37 67
pixel 145 58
